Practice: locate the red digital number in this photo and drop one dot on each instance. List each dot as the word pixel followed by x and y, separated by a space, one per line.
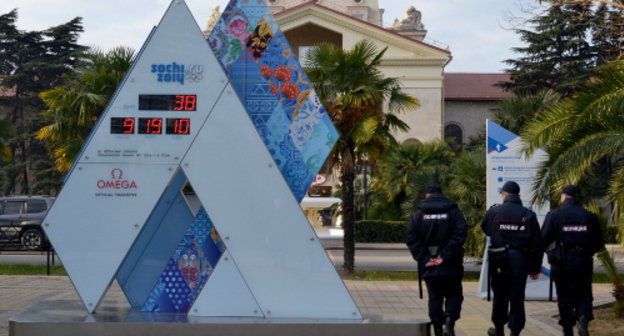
pixel 184 103
pixel 182 126
pixel 180 103
pixel 189 103
pixel 128 126
pixel 154 126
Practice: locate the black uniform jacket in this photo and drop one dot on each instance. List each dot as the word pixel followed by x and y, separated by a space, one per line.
pixel 516 227
pixel 438 222
pixel 580 232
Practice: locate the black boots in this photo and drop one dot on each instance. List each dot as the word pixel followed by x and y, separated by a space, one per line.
pixel 448 329
pixel 568 331
pixel 437 330
pixel 583 325
pixel 496 331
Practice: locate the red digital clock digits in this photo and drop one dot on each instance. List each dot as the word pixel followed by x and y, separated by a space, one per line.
pixel 178 126
pixel 184 103
pixel 167 102
pixel 122 125
pixel 154 126
pixel 182 126
pixel 189 103
pixel 128 125
pixel 150 125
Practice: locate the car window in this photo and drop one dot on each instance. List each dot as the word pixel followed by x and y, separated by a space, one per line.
pixel 13 207
pixel 36 206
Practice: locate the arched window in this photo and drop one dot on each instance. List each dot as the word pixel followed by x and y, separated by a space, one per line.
pixel 411 141
pixel 455 133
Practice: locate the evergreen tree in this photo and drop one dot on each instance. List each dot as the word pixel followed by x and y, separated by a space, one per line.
pixel 31 62
pixel 557 56
pixel 608 33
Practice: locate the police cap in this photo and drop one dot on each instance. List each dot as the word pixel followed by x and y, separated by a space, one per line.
pixel 572 191
pixel 433 189
pixel 511 187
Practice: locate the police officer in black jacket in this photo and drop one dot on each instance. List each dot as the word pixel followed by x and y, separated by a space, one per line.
pixel 436 237
pixel 579 235
pixel 514 253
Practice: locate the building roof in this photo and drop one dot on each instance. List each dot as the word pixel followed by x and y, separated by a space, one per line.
pixel 312 4
pixel 474 86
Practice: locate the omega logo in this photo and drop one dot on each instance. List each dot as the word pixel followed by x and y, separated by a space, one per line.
pixel 116 181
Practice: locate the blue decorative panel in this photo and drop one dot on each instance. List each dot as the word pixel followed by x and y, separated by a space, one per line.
pixel 275 90
pixel 166 226
pixel 188 270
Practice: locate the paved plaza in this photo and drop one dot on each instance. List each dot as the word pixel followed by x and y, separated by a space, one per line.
pixel 373 297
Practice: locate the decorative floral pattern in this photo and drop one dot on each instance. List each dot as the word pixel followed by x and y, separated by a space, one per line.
pixel 277 95
pixel 260 39
pixel 230 35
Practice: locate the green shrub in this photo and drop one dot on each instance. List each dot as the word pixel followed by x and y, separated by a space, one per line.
pixel 620 234
pixel 369 231
pixel 611 234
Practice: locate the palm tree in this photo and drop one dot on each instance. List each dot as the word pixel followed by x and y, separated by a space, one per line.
pixel 354 92
pixel 74 108
pixel 580 134
pixel 515 111
pixel 404 172
pixel 466 185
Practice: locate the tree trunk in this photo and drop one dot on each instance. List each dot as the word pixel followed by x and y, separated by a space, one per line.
pixel 348 219
pixel 23 148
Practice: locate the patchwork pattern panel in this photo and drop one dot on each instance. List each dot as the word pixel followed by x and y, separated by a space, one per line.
pixel 189 269
pixel 275 90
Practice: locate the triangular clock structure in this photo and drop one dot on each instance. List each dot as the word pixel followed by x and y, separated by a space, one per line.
pixel 239 245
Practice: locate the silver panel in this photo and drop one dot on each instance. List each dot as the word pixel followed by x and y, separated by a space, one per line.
pixel 226 293
pixel 96 218
pixel 265 230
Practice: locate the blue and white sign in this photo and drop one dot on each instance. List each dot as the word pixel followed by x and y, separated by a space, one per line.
pixel 506 162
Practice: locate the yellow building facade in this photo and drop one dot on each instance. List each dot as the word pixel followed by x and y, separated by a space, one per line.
pixel 417 64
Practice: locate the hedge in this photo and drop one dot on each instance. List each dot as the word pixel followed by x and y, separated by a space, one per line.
pixel 376 231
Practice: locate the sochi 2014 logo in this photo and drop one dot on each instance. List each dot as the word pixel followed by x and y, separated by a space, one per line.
pixel 178 73
pixel 117 181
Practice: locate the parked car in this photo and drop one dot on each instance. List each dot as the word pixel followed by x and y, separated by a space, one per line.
pixel 20 221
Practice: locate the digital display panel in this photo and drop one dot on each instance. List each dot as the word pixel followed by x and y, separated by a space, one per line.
pixel 150 125
pixel 122 126
pixel 178 126
pixel 167 102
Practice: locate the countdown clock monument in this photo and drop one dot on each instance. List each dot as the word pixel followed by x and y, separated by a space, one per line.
pixel 237 256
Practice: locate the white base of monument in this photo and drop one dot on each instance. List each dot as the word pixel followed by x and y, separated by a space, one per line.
pixel 67 318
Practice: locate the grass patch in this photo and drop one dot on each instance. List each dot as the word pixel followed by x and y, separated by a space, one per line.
pixel 31 270
pixel 603 278
pixel 606 323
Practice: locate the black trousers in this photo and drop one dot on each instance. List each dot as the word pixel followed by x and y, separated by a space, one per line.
pixel 508 303
pixel 445 298
pixel 574 296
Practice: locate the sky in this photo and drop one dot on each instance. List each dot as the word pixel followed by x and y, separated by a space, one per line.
pixel 478 33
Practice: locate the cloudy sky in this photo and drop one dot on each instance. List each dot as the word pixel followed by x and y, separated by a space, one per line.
pixel 477 32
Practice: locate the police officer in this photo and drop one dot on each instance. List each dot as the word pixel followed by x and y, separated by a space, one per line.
pixel 580 236
pixel 436 237
pixel 514 253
